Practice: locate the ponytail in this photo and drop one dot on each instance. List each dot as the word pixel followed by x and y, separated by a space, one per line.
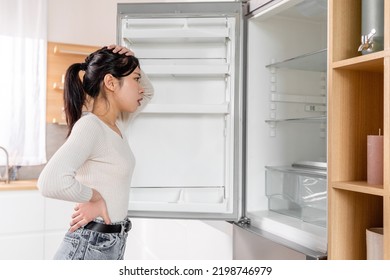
pixel 74 95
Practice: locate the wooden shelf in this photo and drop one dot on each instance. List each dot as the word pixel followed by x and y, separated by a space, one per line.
pixel 360 187
pixel 371 62
pixel 81 51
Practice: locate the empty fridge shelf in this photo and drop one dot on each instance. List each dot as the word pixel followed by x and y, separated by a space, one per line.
pixel 187 108
pixel 302 119
pixel 315 61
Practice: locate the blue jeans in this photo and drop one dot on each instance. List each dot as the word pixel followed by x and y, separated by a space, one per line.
pixel 85 244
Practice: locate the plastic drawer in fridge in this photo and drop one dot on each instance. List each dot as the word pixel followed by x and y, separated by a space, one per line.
pixel 298 192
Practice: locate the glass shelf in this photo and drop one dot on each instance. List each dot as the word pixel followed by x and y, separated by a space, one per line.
pixel 315 61
pixel 187 109
pixel 303 119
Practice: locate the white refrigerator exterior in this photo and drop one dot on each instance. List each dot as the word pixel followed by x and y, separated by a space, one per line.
pixel 226 112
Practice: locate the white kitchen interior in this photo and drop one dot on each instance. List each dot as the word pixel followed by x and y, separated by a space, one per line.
pixel 271 93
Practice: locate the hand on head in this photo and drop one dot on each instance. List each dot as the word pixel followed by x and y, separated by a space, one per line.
pixel 120 50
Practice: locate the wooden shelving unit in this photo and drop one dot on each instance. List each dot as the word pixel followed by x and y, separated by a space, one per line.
pixel 359 105
pixel 59 57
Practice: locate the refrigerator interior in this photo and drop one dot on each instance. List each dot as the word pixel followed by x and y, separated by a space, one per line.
pixel 286 123
pixel 185 141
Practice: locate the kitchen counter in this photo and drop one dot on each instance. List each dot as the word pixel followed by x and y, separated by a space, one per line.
pixel 19 185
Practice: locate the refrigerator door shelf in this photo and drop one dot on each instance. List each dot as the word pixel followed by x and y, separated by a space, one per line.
pixel 184 207
pixel 187 199
pixel 138 35
pixel 211 51
pixel 179 29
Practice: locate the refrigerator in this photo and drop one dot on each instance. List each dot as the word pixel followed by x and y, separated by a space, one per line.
pixel 237 128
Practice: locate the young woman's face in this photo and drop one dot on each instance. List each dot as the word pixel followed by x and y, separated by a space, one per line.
pixel 129 94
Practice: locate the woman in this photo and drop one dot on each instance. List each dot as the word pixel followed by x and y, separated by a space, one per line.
pixel 95 165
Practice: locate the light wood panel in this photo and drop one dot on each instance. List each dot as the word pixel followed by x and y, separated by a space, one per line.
pixel 386 151
pixel 356 109
pixel 59 57
pixel 344 25
pixel 353 213
pixel 387 24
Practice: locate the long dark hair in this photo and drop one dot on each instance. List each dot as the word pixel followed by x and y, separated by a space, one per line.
pixel 96 66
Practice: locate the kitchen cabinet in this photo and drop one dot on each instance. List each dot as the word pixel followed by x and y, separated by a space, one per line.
pixel 229 101
pixel 359 105
pixel 35 226
pixel 22 225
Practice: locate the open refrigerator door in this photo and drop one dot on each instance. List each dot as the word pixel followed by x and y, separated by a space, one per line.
pixel 187 141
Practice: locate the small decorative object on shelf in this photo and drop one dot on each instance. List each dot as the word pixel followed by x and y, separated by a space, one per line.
pixel 372 26
pixel 375 159
pixel 374 237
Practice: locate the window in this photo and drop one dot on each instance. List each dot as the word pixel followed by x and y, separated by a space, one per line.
pixel 23 80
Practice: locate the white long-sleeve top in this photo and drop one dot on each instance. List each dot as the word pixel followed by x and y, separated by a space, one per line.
pixel 94 156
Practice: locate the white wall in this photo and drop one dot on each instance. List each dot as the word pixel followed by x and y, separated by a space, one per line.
pixel 87 22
